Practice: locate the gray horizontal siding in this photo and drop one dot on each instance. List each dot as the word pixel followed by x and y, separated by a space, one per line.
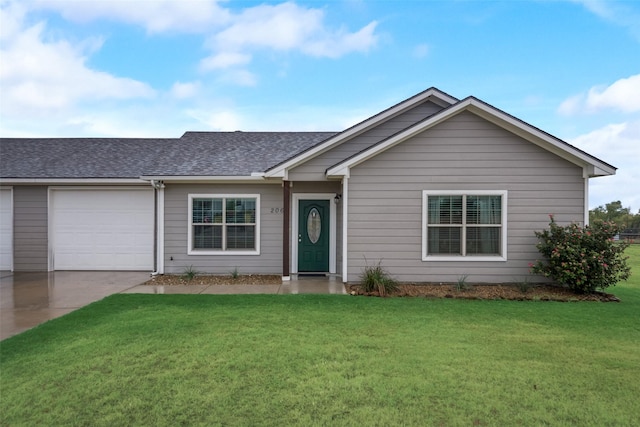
pixel 314 169
pixel 385 198
pixel 177 222
pixel 30 233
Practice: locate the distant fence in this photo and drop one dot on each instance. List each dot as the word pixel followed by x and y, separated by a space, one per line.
pixel 632 235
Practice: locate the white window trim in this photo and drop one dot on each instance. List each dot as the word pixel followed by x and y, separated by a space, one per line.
pixel 191 251
pixel 460 258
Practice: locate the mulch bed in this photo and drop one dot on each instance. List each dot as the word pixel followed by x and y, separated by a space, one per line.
pixel 491 292
pixel 244 279
pixel 475 292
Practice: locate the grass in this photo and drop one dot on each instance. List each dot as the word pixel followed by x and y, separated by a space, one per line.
pixel 328 360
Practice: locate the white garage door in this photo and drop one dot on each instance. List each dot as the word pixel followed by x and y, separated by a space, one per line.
pixel 98 229
pixel 6 230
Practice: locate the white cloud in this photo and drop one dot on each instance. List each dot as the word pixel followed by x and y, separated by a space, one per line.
pixel 623 96
pixel 11 17
pixel 181 90
pixel 219 120
pixel 192 16
pixel 340 43
pixel 421 51
pixel 224 60
pixel 137 120
pixel 617 144
pixel 233 38
pixel 39 76
pixel 619 13
pixel 571 105
pixel 280 27
pixel 46 77
pixel 284 27
pixel 239 78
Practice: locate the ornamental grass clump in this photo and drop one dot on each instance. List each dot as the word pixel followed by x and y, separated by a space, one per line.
pixel 189 273
pixel 376 279
pixel 582 258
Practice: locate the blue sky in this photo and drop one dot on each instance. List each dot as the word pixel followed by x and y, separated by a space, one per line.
pixel 157 68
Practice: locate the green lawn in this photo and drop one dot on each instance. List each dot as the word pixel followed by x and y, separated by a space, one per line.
pixel 328 360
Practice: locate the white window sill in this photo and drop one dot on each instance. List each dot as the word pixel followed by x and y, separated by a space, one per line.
pixel 221 253
pixel 434 258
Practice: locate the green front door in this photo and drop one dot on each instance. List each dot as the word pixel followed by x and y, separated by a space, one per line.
pixel 313 236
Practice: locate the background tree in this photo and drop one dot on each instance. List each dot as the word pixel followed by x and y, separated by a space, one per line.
pixel 614 212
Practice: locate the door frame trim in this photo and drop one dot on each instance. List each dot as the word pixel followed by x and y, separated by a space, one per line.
pixel 332 227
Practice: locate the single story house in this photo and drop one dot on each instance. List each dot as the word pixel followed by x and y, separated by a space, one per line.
pixel 433 187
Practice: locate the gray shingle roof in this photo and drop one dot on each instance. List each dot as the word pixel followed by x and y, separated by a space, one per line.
pixel 194 154
pixel 233 153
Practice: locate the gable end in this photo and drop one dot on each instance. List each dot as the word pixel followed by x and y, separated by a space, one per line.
pixel 432 94
pixel 593 166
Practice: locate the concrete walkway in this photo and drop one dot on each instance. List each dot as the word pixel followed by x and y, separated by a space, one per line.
pixel 304 285
pixel 28 299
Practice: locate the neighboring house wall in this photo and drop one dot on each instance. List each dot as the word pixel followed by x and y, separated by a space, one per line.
pixel 463 153
pixel 269 261
pixel 314 169
pixel 30 249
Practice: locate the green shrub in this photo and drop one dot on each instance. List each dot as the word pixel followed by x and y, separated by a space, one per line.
pixel 235 273
pixel 375 278
pixel 582 258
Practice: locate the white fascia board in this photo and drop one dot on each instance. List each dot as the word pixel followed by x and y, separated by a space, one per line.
pixel 72 181
pixel 255 178
pixel 493 115
pixel 436 96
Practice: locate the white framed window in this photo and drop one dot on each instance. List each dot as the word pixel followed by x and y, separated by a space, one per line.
pixel 464 225
pixel 224 224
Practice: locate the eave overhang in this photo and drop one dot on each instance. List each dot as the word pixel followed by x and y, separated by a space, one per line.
pixel 593 166
pixel 256 177
pixel 72 181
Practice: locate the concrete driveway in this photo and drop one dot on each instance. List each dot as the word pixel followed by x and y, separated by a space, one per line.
pixel 28 299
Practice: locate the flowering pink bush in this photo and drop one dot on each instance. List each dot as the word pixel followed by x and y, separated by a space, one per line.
pixel 582 258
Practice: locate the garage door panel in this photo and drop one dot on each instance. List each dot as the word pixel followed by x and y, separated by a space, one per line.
pixel 103 229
